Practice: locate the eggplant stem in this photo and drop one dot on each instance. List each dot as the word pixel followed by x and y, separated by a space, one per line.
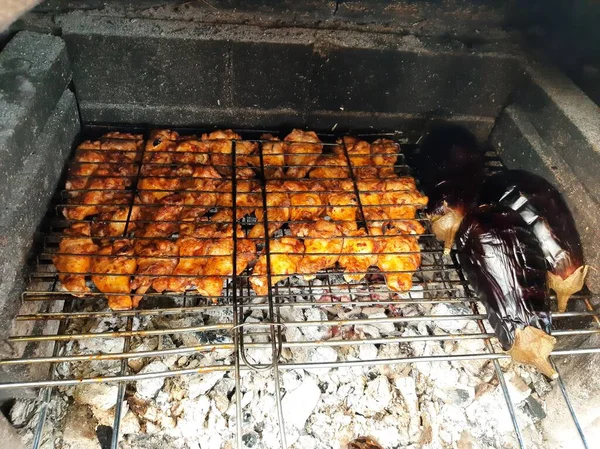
pixel 446 226
pixel 533 346
pixel 564 288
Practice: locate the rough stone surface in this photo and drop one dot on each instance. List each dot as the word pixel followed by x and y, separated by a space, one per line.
pixel 566 119
pixel 8 436
pixel 34 72
pixel 521 147
pixel 251 76
pixel 29 200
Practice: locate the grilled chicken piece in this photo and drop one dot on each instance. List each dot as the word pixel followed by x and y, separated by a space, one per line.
pixel 306 201
pixel 359 154
pixel 359 253
pixel 155 258
pixel 392 199
pixel 220 147
pixel 190 263
pixel 384 154
pixel 302 150
pixel 158 181
pixel 285 254
pixel 74 258
pixel 273 157
pixel 191 151
pixel 248 200
pixel 330 166
pixel 105 187
pixel 322 247
pixel 278 212
pixel 201 190
pixel 115 221
pixel 399 256
pixel 117 261
pixel 160 147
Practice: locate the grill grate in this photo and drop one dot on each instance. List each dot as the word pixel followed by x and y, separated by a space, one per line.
pixel 253 324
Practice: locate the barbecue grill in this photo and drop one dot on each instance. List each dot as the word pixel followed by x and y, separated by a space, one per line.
pixel 60 343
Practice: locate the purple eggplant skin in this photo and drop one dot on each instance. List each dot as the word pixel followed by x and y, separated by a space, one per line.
pixel 450 166
pixel 544 210
pixel 504 263
pixel 547 214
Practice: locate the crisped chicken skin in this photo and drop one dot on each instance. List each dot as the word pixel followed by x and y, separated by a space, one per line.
pixel 158 182
pixel 384 153
pixel 73 258
pixel 278 211
pixel 398 258
pixel 220 145
pixel 118 263
pixel 359 253
pixel 160 146
pixel 330 166
pixel 285 254
pixel 190 264
pixel 359 154
pixel 273 153
pixel 115 221
pixel 155 258
pixel 322 247
pixel 393 199
pixel 302 150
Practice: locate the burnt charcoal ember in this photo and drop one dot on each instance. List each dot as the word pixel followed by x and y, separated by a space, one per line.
pixel 451 168
pixel 504 264
pixel 548 216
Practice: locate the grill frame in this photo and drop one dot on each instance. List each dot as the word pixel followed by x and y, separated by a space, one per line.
pixel 447 267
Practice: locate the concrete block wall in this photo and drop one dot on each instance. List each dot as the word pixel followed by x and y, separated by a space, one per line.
pixel 40 122
pixel 553 129
pixel 163 72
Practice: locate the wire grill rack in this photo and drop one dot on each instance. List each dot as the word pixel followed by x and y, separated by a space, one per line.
pixel 439 279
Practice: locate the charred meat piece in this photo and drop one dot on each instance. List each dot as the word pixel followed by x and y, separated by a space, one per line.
pixel 547 214
pixel 451 168
pixel 504 263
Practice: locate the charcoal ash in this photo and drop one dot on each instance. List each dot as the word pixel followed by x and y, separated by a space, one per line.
pixel 423 405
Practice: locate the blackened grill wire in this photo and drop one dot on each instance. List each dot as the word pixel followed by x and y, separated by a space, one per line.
pixel 274 325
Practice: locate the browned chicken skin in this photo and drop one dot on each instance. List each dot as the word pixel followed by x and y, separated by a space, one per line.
pixel 273 153
pixel 322 247
pixel 302 150
pixel 285 254
pixel 73 258
pixel 182 177
pixel 118 263
pixel 397 267
pixel 360 253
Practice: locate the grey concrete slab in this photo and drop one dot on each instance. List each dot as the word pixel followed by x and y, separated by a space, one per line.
pixel 34 72
pixel 22 214
pixel 520 146
pixel 566 119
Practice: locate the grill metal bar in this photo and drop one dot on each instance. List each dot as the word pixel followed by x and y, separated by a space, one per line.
pixel 497 368
pixel 284 366
pixel 368 292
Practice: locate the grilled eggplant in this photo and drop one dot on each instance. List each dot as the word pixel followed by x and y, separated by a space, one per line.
pixel 546 213
pixel 504 263
pixel 451 168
